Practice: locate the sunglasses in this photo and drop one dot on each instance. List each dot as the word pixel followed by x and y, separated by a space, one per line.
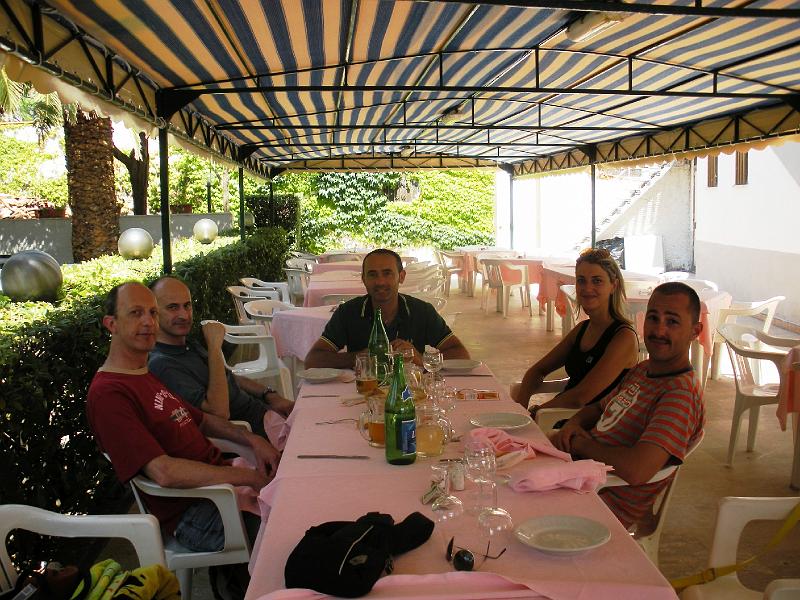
pixel 597 253
pixel 464 560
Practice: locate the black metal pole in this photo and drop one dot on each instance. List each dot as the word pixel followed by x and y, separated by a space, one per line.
pixel 163 161
pixel 241 203
pixel 208 189
pixel 594 173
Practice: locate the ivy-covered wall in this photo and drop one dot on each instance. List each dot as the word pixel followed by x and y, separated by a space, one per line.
pixel 50 352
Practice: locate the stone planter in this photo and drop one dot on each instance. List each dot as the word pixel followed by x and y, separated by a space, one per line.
pixel 58 212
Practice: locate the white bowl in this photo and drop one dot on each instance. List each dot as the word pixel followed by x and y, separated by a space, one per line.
pixel 321 375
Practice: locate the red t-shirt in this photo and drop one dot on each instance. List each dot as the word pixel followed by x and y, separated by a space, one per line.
pixel 135 419
pixel 663 410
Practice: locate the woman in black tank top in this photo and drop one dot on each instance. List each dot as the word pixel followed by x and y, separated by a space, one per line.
pixel 598 351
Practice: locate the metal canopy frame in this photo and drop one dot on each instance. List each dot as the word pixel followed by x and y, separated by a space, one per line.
pixel 519 136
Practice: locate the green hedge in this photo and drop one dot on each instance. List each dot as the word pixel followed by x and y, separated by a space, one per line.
pixel 49 354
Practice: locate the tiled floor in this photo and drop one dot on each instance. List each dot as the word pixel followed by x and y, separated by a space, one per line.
pixel 510 345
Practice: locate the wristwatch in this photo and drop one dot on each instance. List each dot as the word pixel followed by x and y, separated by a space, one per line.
pixel 267 391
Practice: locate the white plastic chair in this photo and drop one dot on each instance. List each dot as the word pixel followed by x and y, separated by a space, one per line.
pixel 548 386
pixel 142 531
pixel 743 347
pixel 438 302
pixel 416 266
pixel 733 515
pixel 298 283
pixel 700 285
pixel 266 364
pixel 344 257
pixel 262 311
pixel 498 269
pixel 647 532
pixel 783 589
pixel 183 561
pixel 258 284
pixel 453 264
pixel 742 309
pixel 242 295
pixel 303 264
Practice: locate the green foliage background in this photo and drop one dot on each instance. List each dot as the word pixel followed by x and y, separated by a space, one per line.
pixel 50 352
pixel 20 162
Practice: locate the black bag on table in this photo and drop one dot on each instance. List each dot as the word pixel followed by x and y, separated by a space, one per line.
pixel 346 558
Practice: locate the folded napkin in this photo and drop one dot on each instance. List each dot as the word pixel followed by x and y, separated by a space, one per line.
pixel 581 475
pixel 520 449
pixel 277 428
pixel 346 376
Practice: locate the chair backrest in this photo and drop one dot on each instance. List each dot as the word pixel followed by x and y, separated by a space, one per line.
pixel 262 311
pixel 298 282
pixel 438 302
pixel 300 263
pixel 266 364
pixel 344 256
pixel 258 284
pixel 744 346
pixel 783 589
pixel 547 417
pixel 452 260
pixel 141 530
pixel 734 514
pixel 242 295
pixel 491 272
pixel 418 266
pixel 727 315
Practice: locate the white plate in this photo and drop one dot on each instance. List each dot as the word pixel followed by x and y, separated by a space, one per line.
pixel 460 364
pixel 562 534
pixel 501 420
pixel 319 375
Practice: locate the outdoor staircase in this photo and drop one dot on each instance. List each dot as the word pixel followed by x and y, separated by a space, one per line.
pixel 617 190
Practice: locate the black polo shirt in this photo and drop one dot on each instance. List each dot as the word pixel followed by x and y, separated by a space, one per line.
pixel 417 322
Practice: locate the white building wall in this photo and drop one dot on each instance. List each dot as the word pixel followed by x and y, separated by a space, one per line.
pixel 746 236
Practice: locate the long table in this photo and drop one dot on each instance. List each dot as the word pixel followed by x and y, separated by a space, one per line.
pixel 309 492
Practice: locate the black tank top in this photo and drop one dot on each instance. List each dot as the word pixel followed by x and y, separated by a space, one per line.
pixel 579 363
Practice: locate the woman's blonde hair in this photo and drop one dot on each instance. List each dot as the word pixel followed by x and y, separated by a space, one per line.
pixel 601 257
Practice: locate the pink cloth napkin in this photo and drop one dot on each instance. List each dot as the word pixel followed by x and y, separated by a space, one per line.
pixel 581 475
pixel 277 429
pixel 506 444
pixel 789 395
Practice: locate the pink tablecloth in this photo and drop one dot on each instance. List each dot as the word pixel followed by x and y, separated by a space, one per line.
pixel 789 403
pixel 295 331
pixel 332 282
pixel 307 492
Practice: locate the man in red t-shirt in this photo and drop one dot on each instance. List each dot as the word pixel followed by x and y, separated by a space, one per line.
pixel 146 429
pixel 654 416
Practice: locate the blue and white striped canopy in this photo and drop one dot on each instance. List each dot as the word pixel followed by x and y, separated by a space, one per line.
pixel 327 84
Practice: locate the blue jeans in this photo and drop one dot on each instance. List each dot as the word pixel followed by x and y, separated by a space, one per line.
pixel 200 528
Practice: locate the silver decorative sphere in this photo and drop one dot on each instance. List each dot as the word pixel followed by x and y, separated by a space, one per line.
pixel 31 275
pixel 135 243
pixel 205 231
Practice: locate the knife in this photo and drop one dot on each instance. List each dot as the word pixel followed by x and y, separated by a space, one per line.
pixel 356 456
pixel 469 375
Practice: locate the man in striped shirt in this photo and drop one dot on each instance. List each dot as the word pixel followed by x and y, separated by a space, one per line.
pixel 654 416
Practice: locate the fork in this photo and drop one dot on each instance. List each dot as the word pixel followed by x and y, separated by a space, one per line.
pixel 335 421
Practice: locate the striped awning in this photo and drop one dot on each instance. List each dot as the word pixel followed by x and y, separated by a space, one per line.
pixel 377 84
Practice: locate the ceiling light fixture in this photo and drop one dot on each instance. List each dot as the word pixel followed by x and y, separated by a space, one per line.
pixel 452 115
pixel 591 24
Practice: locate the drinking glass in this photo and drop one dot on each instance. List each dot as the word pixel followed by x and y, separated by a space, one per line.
pixel 481 462
pixel 366 374
pixel 446 507
pixel 432 360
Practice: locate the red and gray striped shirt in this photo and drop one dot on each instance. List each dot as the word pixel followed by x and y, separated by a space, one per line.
pixel 665 410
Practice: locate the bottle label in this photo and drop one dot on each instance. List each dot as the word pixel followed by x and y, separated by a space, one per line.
pixel 407 439
pixel 406 394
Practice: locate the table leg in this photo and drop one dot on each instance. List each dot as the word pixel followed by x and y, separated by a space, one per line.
pixel 697 358
pixel 550 310
pixel 794 483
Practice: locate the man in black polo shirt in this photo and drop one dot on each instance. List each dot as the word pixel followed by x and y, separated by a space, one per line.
pixel 410 322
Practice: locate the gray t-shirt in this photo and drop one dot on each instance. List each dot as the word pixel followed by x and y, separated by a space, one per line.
pixel 184 370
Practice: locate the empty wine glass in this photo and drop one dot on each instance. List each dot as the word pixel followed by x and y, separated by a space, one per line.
pixel 446 507
pixel 480 459
pixel 432 360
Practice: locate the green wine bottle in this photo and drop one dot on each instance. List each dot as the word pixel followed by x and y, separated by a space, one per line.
pixel 401 425
pixel 378 347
